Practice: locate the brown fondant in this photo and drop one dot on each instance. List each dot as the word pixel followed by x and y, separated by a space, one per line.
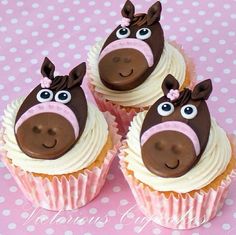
pixel 40 138
pixel 156 43
pixel 168 154
pixel 199 124
pixel 131 65
pixel 77 104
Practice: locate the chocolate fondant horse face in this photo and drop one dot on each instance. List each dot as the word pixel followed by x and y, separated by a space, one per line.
pixel 176 129
pixel 53 116
pixel 132 51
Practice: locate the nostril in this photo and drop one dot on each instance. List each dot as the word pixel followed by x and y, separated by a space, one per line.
pixel 127 60
pixel 36 129
pixel 51 132
pixel 176 149
pixel 159 146
pixel 116 59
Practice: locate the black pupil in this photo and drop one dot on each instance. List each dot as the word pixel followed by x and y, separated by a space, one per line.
pixel 188 110
pixel 45 95
pixel 123 31
pixel 166 107
pixel 62 96
pixel 143 32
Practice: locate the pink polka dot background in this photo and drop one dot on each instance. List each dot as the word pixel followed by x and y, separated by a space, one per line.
pixel 64 30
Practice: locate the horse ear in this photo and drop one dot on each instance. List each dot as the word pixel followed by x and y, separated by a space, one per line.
pixel 154 13
pixel 169 83
pixel 76 75
pixel 128 10
pixel 202 90
pixel 48 69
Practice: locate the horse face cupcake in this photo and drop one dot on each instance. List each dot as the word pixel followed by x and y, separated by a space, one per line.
pixel 126 71
pixel 178 162
pixel 58 146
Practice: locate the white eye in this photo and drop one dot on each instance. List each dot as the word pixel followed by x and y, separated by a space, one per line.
pixel 165 109
pixel 123 33
pixel 189 111
pixel 44 95
pixel 63 97
pixel 143 33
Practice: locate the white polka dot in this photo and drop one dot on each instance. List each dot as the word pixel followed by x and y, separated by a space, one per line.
pixel 208 22
pixel 173 37
pixel 14 21
pixel 231 33
pixel 107 4
pixel 119 226
pixel 203 58
pixel 175 233
pixel 11 226
pixel 217 79
pixel 61 54
pixel 222 42
pixel 196 48
pixel 28 80
pixel 19 202
pixel 105 200
pixel 226 226
pixel 195 4
pixel 1 88
pixel 100 224
pixel 30 228
pixel 116 189
pixel 7 176
pixel 81 11
pixel 112 13
pixel 219 60
pixel 207 225
pixel 221 109
pixel 49 231
pixel 93 211
pixel 2 199
pixel 87 20
pixel 212 50
pixel 13 189
pixel 229 202
pixel 189 39
pixel 16 88
pixel 205 40
pixel 82 37
pixel 66 10
pixel 55 44
pixel 198 30
pixel 233 16
pixel 123 202
pixel 66 65
pixel 232 100
pixel 24 215
pixel 229 120
pixel 217 14
pixel 22 70
pixel 224 90
pixel 71 18
pixel 215 31
pixel 210 69
pixel 156 231
pixel 201 13
pixel 92 30
pixel 28 51
pixel 6 212
pixel 77 56
pixel 227 71
pixel 5 98
pixel 97 12
pixel 234 215
pixel 214 98
pixel 111 213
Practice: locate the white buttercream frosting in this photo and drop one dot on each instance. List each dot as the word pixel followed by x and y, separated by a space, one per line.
pixel 212 163
pixel 171 62
pixel 83 153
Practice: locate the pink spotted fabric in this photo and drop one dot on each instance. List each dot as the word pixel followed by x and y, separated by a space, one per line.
pixel 64 30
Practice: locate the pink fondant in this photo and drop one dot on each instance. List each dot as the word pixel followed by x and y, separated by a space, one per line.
pixel 132 43
pixel 173 126
pixel 45 82
pixel 125 22
pixel 50 107
pixel 173 94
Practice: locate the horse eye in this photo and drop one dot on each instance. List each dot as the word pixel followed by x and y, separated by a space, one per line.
pixel 63 97
pixel 189 111
pixel 123 33
pixel 44 95
pixel 143 33
pixel 165 109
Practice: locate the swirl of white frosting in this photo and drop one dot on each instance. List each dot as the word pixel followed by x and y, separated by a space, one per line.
pixel 83 153
pixel 213 161
pixel 171 62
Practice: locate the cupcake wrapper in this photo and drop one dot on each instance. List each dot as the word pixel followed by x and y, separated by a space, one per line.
pixel 124 117
pixel 66 194
pixel 177 212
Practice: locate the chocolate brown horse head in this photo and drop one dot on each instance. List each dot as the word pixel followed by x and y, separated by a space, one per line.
pixel 133 49
pixel 53 116
pixel 176 129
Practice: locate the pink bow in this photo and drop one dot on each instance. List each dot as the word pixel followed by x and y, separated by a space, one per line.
pixel 173 94
pixel 125 22
pixel 45 82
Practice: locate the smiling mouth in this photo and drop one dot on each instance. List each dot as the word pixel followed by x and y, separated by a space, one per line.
pixel 172 167
pixel 50 147
pixel 126 75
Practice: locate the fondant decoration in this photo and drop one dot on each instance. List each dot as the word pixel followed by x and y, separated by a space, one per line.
pixel 133 49
pixel 53 116
pixel 176 129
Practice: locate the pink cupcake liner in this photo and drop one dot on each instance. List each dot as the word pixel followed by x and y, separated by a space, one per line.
pixel 124 117
pixel 66 194
pixel 182 211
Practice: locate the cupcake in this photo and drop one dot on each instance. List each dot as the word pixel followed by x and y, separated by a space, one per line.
pixel 125 71
pixel 177 160
pixel 57 146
